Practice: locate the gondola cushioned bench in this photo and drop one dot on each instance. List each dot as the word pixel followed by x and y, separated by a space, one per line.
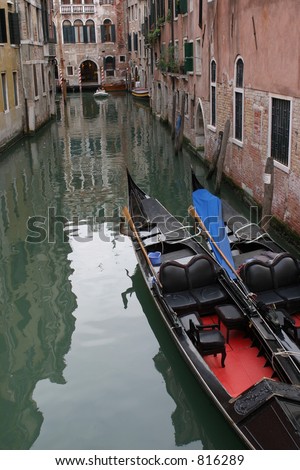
pixel 193 285
pixel 274 278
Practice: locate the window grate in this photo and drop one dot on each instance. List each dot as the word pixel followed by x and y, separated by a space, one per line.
pixel 280 134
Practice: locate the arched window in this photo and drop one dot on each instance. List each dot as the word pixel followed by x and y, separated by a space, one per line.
pixel 213 93
pixel 108 33
pixel 238 110
pixel 90 31
pixel 78 28
pixel 68 32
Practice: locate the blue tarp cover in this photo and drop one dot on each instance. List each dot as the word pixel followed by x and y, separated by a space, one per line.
pixel 209 209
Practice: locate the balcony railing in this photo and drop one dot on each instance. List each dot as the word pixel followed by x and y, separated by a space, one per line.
pixel 69 9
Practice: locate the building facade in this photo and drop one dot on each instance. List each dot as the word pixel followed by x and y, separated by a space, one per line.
pixel 92 43
pixel 138 50
pixel 207 62
pixel 11 95
pixel 224 61
pixel 37 49
pixel 27 54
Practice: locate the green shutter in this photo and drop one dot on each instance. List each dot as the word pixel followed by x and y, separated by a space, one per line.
pixel 183 6
pixel 188 57
pixel 85 34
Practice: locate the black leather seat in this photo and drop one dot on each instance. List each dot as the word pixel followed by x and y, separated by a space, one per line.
pixel 258 277
pixel 286 275
pixel 203 282
pixel 192 285
pixel 176 291
pixel 275 279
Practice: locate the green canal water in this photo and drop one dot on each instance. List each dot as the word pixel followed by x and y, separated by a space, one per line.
pixel 85 362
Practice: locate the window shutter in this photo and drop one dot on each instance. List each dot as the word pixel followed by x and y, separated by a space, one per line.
pixel 66 33
pixel 183 6
pixel 3 36
pixel 54 33
pixel 92 32
pixel 152 16
pixel 102 30
pixel 189 57
pixel 14 30
pixel 200 13
pixel 45 22
pixel 85 34
pixel 135 41
pixel 129 43
pixel 113 33
pixel 72 35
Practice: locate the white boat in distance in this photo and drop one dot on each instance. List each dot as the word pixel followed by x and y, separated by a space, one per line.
pixel 100 93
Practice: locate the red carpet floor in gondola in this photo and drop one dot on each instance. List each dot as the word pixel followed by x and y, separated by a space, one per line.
pixel 243 366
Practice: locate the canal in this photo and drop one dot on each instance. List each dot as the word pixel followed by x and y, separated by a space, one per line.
pixel 85 362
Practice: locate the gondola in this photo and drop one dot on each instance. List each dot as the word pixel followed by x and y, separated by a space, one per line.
pixel 269 271
pixel 245 361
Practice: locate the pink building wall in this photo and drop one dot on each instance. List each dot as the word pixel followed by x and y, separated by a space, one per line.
pixel 265 35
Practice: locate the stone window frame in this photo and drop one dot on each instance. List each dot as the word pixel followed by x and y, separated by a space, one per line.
pixel 278 164
pixel 238 102
pixel 212 92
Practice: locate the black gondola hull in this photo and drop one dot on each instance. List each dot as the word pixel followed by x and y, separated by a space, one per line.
pixel 267 414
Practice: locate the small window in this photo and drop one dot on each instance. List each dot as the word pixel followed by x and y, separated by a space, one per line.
pixel 188 57
pixel 280 130
pixel 213 93
pixel 35 81
pixel 78 28
pixel 239 100
pixel 14 30
pixel 68 32
pixel 4 91
pixel 70 70
pixel 108 33
pixel 90 31
pixel 109 65
pixel 3 35
pixel 198 53
pixel 43 78
pixel 16 89
pixel 122 58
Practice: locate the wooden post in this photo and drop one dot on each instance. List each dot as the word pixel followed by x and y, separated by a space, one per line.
pixel 222 155
pixel 173 116
pixel 215 157
pixel 179 129
pixel 268 194
pixel 64 90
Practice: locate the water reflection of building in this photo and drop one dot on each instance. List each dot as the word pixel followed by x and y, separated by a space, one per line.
pixel 37 302
pixel 98 138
